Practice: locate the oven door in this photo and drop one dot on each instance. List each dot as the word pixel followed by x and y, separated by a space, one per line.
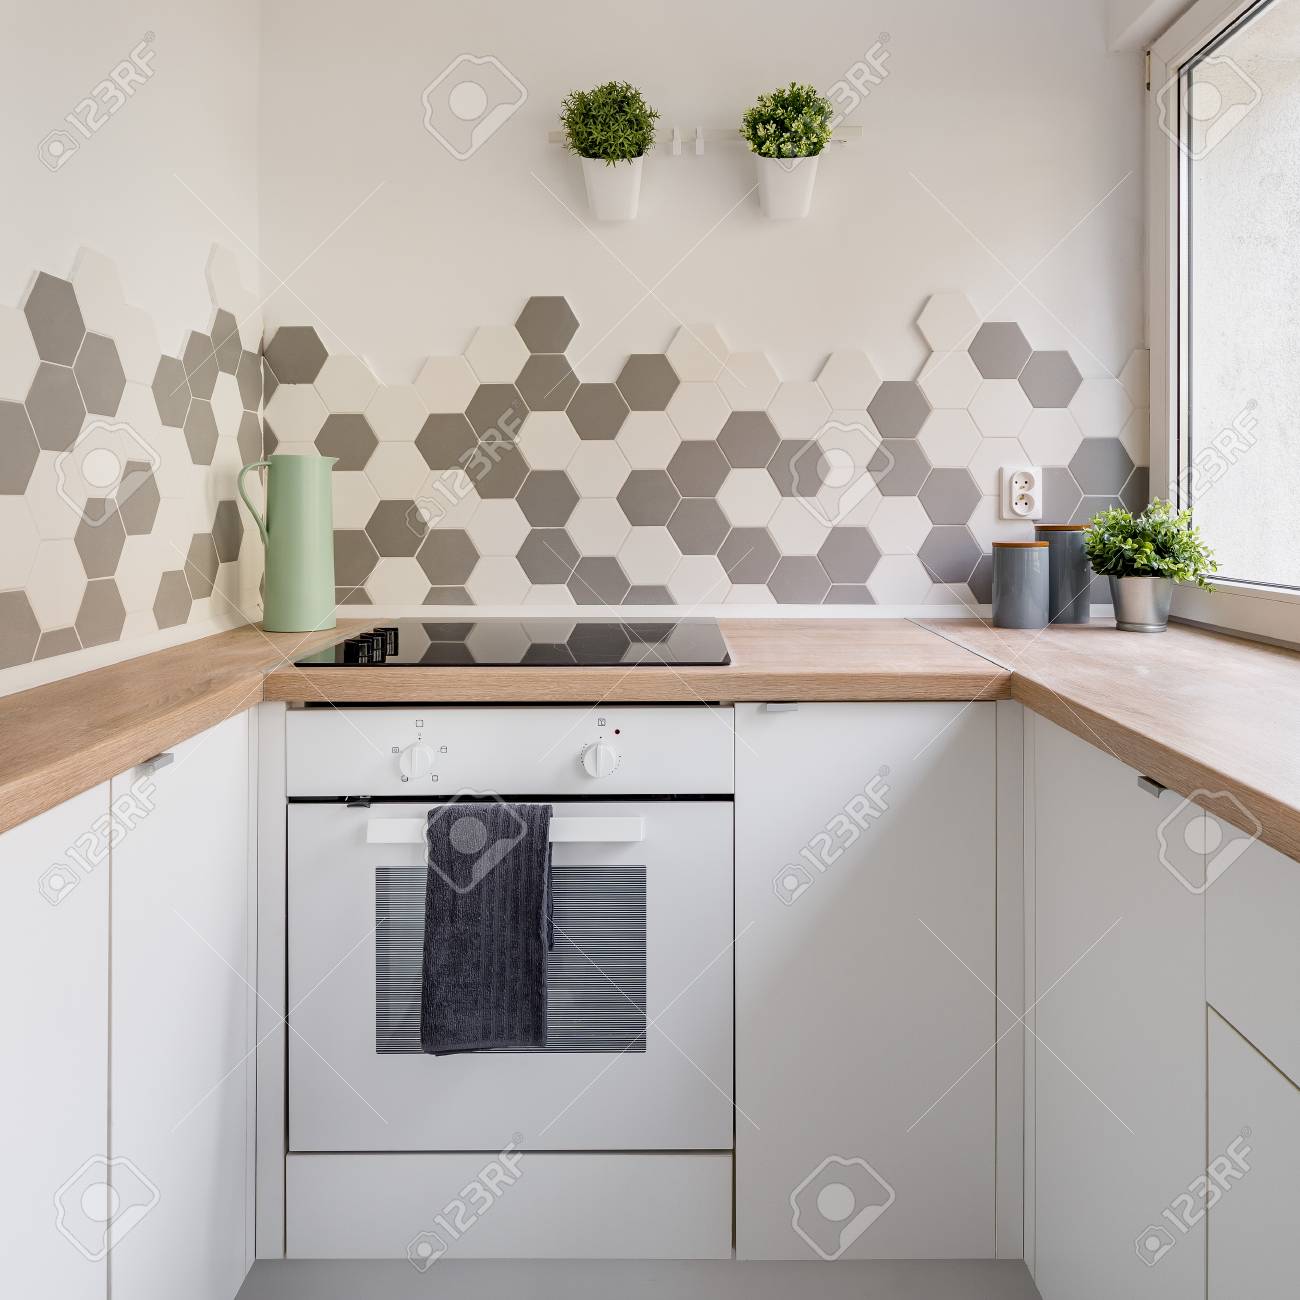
pixel 640 989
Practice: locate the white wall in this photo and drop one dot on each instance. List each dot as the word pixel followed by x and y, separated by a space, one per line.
pixel 1012 112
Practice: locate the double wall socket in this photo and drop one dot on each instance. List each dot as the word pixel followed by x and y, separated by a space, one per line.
pixel 1022 492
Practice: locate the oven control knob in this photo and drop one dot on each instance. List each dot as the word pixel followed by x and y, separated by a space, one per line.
pixel 416 761
pixel 600 759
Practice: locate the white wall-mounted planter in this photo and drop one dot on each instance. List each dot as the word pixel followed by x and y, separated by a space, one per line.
pixel 785 186
pixel 613 190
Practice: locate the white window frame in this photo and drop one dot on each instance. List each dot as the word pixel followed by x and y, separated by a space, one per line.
pixel 1252 608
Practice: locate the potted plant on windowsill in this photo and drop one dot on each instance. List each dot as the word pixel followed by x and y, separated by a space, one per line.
pixel 1143 556
pixel 611 128
pixel 787 130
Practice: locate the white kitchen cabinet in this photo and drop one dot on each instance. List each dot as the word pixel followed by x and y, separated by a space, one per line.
pixel 54 1025
pixel 865 963
pixel 1118 1046
pixel 182 1022
pixel 1254 1151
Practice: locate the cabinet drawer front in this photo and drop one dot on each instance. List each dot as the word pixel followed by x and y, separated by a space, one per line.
pixel 1252 917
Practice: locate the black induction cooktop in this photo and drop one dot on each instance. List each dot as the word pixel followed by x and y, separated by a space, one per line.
pixel 558 643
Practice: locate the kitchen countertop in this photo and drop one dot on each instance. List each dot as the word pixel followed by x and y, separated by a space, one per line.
pixel 1205 715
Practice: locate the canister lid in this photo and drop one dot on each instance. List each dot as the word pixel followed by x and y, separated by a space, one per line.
pixel 1062 528
pixel 1017 545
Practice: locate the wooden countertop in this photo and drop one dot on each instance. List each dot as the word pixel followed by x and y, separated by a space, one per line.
pixel 1212 717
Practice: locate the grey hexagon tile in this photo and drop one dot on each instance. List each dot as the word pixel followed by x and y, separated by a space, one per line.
pixel 200 364
pixel 54 407
pixel 54 319
pixel 547 382
pixel 999 350
pixel 391 530
pixel 355 556
pixel 798 468
pixel 647 381
pixel 505 472
pixel 648 595
pixel 847 594
pixel 848 555
pixel 980 581
pixel 201 432
pixel 748 555
pixel 548 555
pixel 99 539
pixel 496 407
pixel 1093 505
pixel 349 438
pixel 698 469
pixel 58 641
pixel 201 565
pixel 547 324
pixel 296 354
pixel 269 382
pixel 698 526
pixel 99 375
pixel 102 614
pixel 19 630
pixel 899 467
pixel 171 606
pixel 547 498
pixel 447 556
pixel 171 392
pixel 1061 495
pixel 138 498
pixel 352 596
pixel 798 580
pixel 1101 466
pixel 225 342
pixel 649 496
pixel 1050 379
pixel 748 439
pixel 443 596
pixel 597 410
pixel 899 409
pixel 248 375
pixel 445 440
pixel 949 553
pixel 598 580
pixel 249 438
pixel 949 496
pixel 18 449
pixel 227 531
pixel 1136 493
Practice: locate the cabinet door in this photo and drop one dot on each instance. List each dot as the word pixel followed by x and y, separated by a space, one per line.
pixel 54 1026
pixel 1254 1153
pixel 1118 1052
pixel 865 910
pixel 182 1029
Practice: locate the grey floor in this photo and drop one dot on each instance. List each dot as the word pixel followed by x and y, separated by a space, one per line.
pixel 628 1280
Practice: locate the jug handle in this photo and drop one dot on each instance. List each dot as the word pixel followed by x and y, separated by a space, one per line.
pixel 252 509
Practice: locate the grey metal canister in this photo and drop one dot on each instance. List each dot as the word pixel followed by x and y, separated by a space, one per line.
pixel 1069 573
pixel 1020 584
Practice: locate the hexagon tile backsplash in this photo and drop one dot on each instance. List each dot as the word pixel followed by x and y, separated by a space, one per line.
pixel 502 478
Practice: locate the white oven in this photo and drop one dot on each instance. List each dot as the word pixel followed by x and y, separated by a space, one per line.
pixel 639 1052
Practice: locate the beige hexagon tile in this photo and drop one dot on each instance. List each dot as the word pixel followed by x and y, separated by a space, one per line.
pixel 1050 437
pixel 699 580
pixel 1000 408
pixel 355 498
pixel 987 526
pixel 1136 378
pixel 949 438
pixel 227 405
pixel 748 381
pixel 649 556
pixel 1101 406
pixel 498 527
pixel 648 439
pixel 699 410
pixel 899 525
pixel 949 380
pixel 55 497
pixel 18 358
pixel 598 526
pixel 497 580
pixel 1136 437
pixel 748 594
pixel 848 380
pixel 447 498
pixel 229 289
pixel 748 497
pixel 798 410
pixel 346 383
pixel 396 413
pixel 136 337
pixel 598 469
pixel 144 559
pixel 99 291
pixel 397 470
pixel 697 353
pixel 55 584
pixel 497 354
pixel 446 384
pixel 899 580
pixel 796 529
pixel 397 580
pixel 948 321
pixel 296 413
pixel 548 439
pixel 18 541
pixel 989 459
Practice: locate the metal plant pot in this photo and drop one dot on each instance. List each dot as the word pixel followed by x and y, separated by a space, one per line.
pixel 1141 604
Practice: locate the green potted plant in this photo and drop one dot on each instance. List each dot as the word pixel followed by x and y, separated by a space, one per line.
pixel 1143 556
pixel 611 128
pixel 787 130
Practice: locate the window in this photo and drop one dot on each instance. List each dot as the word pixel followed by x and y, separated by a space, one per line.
pixel 1226 101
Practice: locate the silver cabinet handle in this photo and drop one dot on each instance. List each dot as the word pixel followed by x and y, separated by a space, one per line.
pixel 157 762
pixel 1151 786
pixel 784 707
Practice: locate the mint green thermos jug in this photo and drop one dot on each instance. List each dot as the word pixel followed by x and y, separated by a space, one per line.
pixel 298 534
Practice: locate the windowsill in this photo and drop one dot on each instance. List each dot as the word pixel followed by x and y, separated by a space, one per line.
pixel 1265 613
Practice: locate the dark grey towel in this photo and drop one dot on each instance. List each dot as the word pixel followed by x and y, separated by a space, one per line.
pixel 486 927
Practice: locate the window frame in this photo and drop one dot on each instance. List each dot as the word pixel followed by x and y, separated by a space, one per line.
pixel 1256 609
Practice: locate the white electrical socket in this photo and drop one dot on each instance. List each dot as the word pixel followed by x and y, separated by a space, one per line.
pixel 1022 492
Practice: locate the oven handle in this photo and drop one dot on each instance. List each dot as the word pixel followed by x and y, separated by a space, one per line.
pixel 564 830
